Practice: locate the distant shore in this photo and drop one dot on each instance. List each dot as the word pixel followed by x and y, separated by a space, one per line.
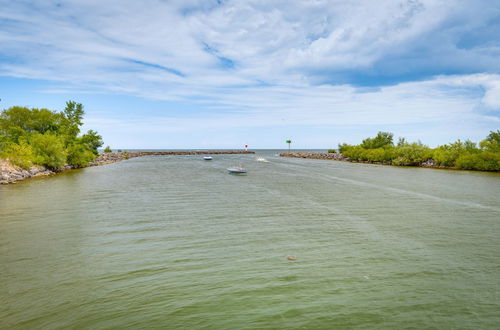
pixel 10 173
pixel 340 157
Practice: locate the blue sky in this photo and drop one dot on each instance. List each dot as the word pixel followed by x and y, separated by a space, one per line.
pixel 221 74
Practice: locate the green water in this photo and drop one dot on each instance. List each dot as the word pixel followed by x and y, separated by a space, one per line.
pixel 176 242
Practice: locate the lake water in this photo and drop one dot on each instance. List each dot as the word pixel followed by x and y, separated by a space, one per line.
pixel 177 242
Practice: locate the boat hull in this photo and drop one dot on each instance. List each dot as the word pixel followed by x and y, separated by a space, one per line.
pixel 236 171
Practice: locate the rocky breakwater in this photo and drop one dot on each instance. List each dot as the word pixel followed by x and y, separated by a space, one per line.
pixel 10 173
pixel 112 157
pixel 314 155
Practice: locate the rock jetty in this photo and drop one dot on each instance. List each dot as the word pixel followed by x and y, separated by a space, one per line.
pixel 112 157
pixel 10 173
pixel 314 155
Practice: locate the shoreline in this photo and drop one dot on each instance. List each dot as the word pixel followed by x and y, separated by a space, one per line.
pixel 10 173
pixel 340 157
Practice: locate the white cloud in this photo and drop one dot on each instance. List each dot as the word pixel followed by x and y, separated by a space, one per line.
pixel 264 63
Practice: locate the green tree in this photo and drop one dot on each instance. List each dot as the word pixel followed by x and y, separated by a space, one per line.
pixel 49 138
pixel 92 141
pixel 108 149
pixel 49 150
pixel 381 140
pixel 402 142
pixel 72 119
pixel 492 142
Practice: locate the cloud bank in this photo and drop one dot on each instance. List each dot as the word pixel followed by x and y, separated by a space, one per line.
pixel 403 65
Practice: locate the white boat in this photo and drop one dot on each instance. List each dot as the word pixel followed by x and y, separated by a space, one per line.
pixel 207 158
pixel 237 170
pixel 261 159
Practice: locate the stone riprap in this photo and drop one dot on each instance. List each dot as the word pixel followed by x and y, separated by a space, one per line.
pixel 314 155
pixel 10 173
pixel 111 157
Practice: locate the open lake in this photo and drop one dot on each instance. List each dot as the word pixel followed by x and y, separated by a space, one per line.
pixel 177 242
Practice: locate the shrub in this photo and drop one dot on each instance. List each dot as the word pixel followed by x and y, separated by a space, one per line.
pixel 19 154
pixel 447 155
pixel 484 161
pixel 343 147
pixel 79 156
pixel 108 149
pixel 411 154
pixel 492 142
pixel 49 150
pixel 353 152
pixel 374 155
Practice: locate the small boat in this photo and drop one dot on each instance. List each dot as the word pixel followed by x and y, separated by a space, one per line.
pixel 261 159
pixel 237 170
pixel 207 158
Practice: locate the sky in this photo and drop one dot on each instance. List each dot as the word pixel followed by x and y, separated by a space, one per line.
pixel 180 74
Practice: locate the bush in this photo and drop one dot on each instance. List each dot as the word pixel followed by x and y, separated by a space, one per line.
pixel 492 142
pixel 484 161
pixel 108 149
pixel 463 155
pixel 332 151
pixel 374 155
pixel 343 147
pixel 49 150
pixel 353 152
pixel 79 156
pixel 19 154
pixel 411 154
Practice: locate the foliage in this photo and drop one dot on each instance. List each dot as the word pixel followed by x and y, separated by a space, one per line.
pixel 411 154
pixel 463 155
pixel 49 150
pixel 79 155
pixel 448 154
pixel 484 161
pixel 72 119
pixel 492 142
pixel 381 140
pixel 343 147
pixel 108 149
pixel 332 151
pixel 45 137
pixel 19 154
pixel 92 141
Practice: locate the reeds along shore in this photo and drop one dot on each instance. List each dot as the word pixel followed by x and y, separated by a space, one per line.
pixel 10 173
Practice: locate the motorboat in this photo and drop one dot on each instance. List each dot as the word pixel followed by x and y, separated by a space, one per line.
pixel 261 159
pixel 237 170
pixel 207 158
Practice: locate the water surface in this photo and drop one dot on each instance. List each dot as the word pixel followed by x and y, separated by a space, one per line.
pixel 177 242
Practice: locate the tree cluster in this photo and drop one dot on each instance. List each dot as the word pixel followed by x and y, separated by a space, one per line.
pixel 463 155
pixel 48 138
